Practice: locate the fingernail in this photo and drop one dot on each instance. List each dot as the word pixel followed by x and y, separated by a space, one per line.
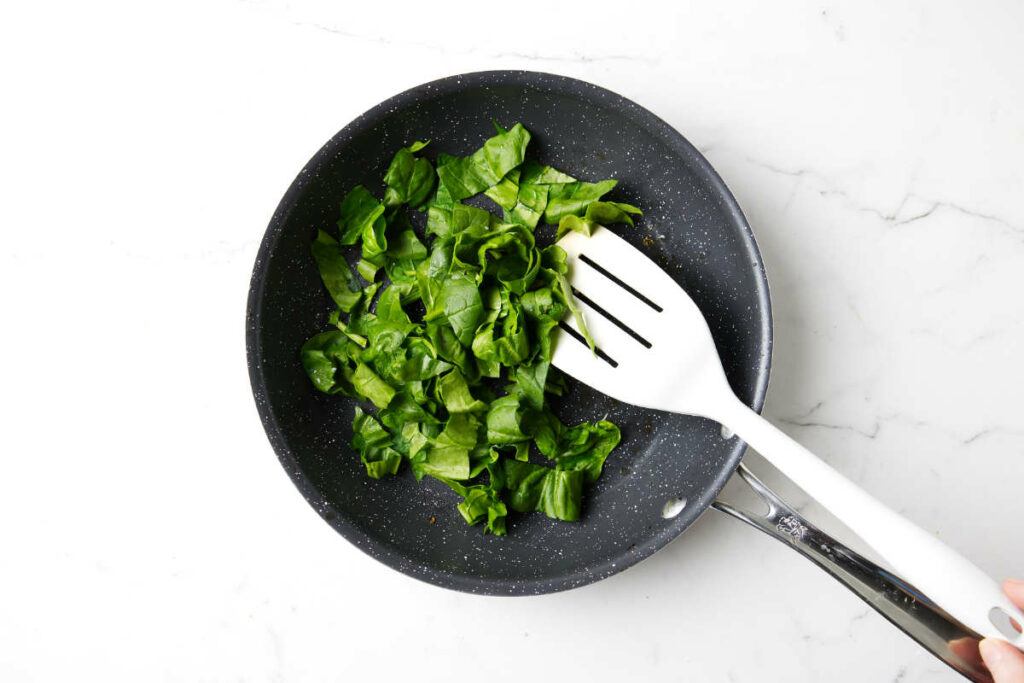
pixel 1018 583
pixel 991 653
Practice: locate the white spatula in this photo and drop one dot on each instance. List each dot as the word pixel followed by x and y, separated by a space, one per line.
pixel 657 352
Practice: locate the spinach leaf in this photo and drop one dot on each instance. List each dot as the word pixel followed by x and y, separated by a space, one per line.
pixel 554 258
pixel 462 307
pixel 584 448
pixel 464 177
pixel 535 173
pixel 555 492
pixel 509 348
pixel 374 446
pixel 371 386
pixel 443 463
pixel 407 247
pixel 482 504
pixel 530 204
pixel 404 409
pixel 532 193
pixel 504 421
pixel 597 213
pixel 530 381
pixel 420 361
pixel 335 319
pixel 409 178
pixel 562 495
pixel 476 299
pixel 326 358
pixel 506 192
pixel 573 198
pixel 447 220
pixel 335 272
pixel 359 211
pixel 455 394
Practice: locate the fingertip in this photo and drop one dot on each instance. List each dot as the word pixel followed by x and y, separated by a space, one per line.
pixel 1014 588
pixel 991 653
pixel 1004 660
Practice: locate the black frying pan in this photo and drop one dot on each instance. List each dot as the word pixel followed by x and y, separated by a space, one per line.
pixel 692 227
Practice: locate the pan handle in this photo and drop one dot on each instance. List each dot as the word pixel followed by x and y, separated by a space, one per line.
pixel 896 600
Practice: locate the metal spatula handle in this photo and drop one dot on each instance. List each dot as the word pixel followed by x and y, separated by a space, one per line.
pixel 899 602
pixel 945 576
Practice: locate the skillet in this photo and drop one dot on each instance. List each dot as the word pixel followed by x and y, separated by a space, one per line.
pixel 692 228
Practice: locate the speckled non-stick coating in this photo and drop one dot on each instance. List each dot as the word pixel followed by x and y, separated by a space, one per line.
pixel 692 227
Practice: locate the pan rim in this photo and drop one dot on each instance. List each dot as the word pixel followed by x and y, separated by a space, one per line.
pixel 374 547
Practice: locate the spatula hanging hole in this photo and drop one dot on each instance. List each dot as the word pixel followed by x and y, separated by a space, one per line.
pixel 579 337
pixel 611 318
pixel 673 507
pixel 1006 624
pixel 604 271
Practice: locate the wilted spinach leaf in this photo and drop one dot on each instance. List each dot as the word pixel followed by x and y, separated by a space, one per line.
pixel 476 300
pixel 467 176
pixel 409 178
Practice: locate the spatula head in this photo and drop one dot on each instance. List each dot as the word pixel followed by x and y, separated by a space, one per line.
pixel 654 347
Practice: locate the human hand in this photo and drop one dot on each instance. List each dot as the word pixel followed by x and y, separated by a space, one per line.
pixel 1004 660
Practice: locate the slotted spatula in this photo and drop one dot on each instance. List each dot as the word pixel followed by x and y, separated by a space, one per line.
pixel 655 350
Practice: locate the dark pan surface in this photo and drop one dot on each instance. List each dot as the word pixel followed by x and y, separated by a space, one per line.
pixel 692 228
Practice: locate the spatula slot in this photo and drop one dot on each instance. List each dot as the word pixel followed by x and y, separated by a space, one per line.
pixel 579 337
pixel 611 318
pixel 604 271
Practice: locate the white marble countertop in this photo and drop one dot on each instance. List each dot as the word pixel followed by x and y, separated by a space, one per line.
pixel 149 532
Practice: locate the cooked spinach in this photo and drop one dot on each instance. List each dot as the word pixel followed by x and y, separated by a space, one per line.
pixel 461 385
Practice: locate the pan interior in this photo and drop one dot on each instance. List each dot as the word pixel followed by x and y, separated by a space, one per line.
pixel 691 227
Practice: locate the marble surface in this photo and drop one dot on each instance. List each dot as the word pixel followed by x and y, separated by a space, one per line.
pixel 150 534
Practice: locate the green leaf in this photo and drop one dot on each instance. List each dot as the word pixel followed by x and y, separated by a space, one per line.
pixel 573 198
pixel 491 300
pixel 367 269
pixel 481 504
pixel 409 179
pixel 359 211
pixel 598 213
pixel 464 177
pixel 562 495
pixel 511 346
pixel 335 272
pixel 420 361
pixel 535 173
pixel 389 306
pixel 326 358
pixel 530 382
pixel 565 292
pixel 462 307
pixel 448 463
pixel 335 319
pixel 506 192
pixel 455 394
pixel 375 242
pixel 407 246
pixel 404 409
pixel 448 347
pixel 584 448
pixel 530 205
pixel 371 386
pixel 374 446
pixel 445 220
pixel 504 421
pixel 556 493
pixel 460 430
